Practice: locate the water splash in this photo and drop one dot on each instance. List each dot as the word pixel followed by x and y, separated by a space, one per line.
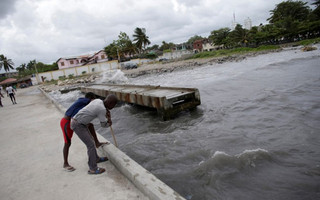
pixel 66 99
pixel 113 76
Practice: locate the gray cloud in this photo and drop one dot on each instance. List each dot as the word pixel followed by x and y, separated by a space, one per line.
pixel 6 7
pixel 47 30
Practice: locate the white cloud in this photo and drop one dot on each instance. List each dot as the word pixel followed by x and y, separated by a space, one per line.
pixel 46 30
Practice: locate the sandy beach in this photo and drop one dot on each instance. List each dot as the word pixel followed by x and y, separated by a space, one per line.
pixel 31 156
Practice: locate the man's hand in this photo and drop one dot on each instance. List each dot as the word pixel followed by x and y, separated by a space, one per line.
pixel 109 122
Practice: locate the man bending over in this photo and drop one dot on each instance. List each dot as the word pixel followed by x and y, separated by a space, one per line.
pixel 79 123
pixel 67 132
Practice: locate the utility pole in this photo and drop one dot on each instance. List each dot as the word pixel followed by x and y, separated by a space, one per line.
pixel 37 75
pixel 119 66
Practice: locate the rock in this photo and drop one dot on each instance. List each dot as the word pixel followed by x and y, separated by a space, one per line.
pixel 309 48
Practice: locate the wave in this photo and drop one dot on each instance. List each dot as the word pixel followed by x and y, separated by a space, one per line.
pixel 114 77
pixel 247 159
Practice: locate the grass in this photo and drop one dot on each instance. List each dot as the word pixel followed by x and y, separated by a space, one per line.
pixel 309 41
pixel 228 52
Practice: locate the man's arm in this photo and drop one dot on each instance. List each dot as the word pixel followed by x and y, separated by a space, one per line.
pixel 105 119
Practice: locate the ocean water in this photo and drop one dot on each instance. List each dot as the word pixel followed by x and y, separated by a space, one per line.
pixel 256 134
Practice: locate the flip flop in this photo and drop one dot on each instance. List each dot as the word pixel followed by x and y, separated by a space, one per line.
pixel 69 169
pixel 102 144
pixel 98 171
pixel 102 159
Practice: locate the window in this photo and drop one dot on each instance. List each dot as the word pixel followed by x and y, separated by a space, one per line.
pixel 102 57
pixel 62 63
pixel 71 62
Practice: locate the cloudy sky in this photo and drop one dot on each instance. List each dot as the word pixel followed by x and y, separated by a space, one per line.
pixel 46 30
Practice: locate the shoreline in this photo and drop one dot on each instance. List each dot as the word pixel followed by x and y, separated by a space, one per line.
pixel 158 68
pixel 161 68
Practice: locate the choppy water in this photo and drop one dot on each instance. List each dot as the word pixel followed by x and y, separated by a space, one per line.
pixel 256 134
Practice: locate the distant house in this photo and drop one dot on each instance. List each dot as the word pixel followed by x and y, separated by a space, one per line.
pixel 16 82
pixel 210 46
pixel 182 47
pixel 76 61
pixel 197 46
pixel 205 45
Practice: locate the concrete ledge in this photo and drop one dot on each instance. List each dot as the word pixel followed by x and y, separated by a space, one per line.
pixel 146 182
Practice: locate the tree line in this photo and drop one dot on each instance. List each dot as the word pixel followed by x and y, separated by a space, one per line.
pixel 289 21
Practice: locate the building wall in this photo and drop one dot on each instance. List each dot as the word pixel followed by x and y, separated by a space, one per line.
pixel 76 71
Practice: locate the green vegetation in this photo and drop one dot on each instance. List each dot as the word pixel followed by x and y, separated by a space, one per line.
pixel 290 21
pixel 61 78
pixel 167 51
pixel 309 41
pixel 33 67
pixel 228 52
pixel 6 63
pixel 141 39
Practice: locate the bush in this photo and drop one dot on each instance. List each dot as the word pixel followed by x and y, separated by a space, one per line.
pixel 308 42
pixel 70 75
pixel 228 52
pixel 61 78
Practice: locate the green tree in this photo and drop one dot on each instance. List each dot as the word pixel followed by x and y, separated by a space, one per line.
pixel 21 68
pixel 287 16
pixel 31 65
pixel 239 35
pixel 112 50
pixel 6 63
pixel 194 38
pixel 315 14
pixel 125 45
pixel 293 10
pixel 219 37
pixel 121 47
pixel 141 39
pixel 166 46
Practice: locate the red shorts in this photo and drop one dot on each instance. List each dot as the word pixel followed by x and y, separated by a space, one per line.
pixel 67 132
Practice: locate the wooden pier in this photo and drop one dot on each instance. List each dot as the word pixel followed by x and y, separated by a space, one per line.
pixel 167 100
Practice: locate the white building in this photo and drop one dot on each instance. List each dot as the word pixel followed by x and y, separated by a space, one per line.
pixel 248 24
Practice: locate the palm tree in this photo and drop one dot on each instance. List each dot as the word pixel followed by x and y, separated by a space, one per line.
pixel 141 39
pixel 7 64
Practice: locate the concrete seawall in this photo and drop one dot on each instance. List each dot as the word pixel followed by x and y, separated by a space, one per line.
pixel 31 157
pixel 146 182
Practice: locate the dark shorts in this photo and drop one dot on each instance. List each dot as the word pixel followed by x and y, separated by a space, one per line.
pixel 67 132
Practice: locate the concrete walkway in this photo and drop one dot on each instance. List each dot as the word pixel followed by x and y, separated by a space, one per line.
pixel 31 159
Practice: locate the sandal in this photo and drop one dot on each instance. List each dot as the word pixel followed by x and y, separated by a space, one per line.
pixel 69 168
pixel 98 171
pixel 102 159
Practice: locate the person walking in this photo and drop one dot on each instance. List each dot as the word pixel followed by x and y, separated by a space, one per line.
pixel 10 92
pixel 79 124
pixel 0 99
pixel 68 132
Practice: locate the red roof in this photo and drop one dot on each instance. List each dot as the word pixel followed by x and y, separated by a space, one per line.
pixel 8 80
